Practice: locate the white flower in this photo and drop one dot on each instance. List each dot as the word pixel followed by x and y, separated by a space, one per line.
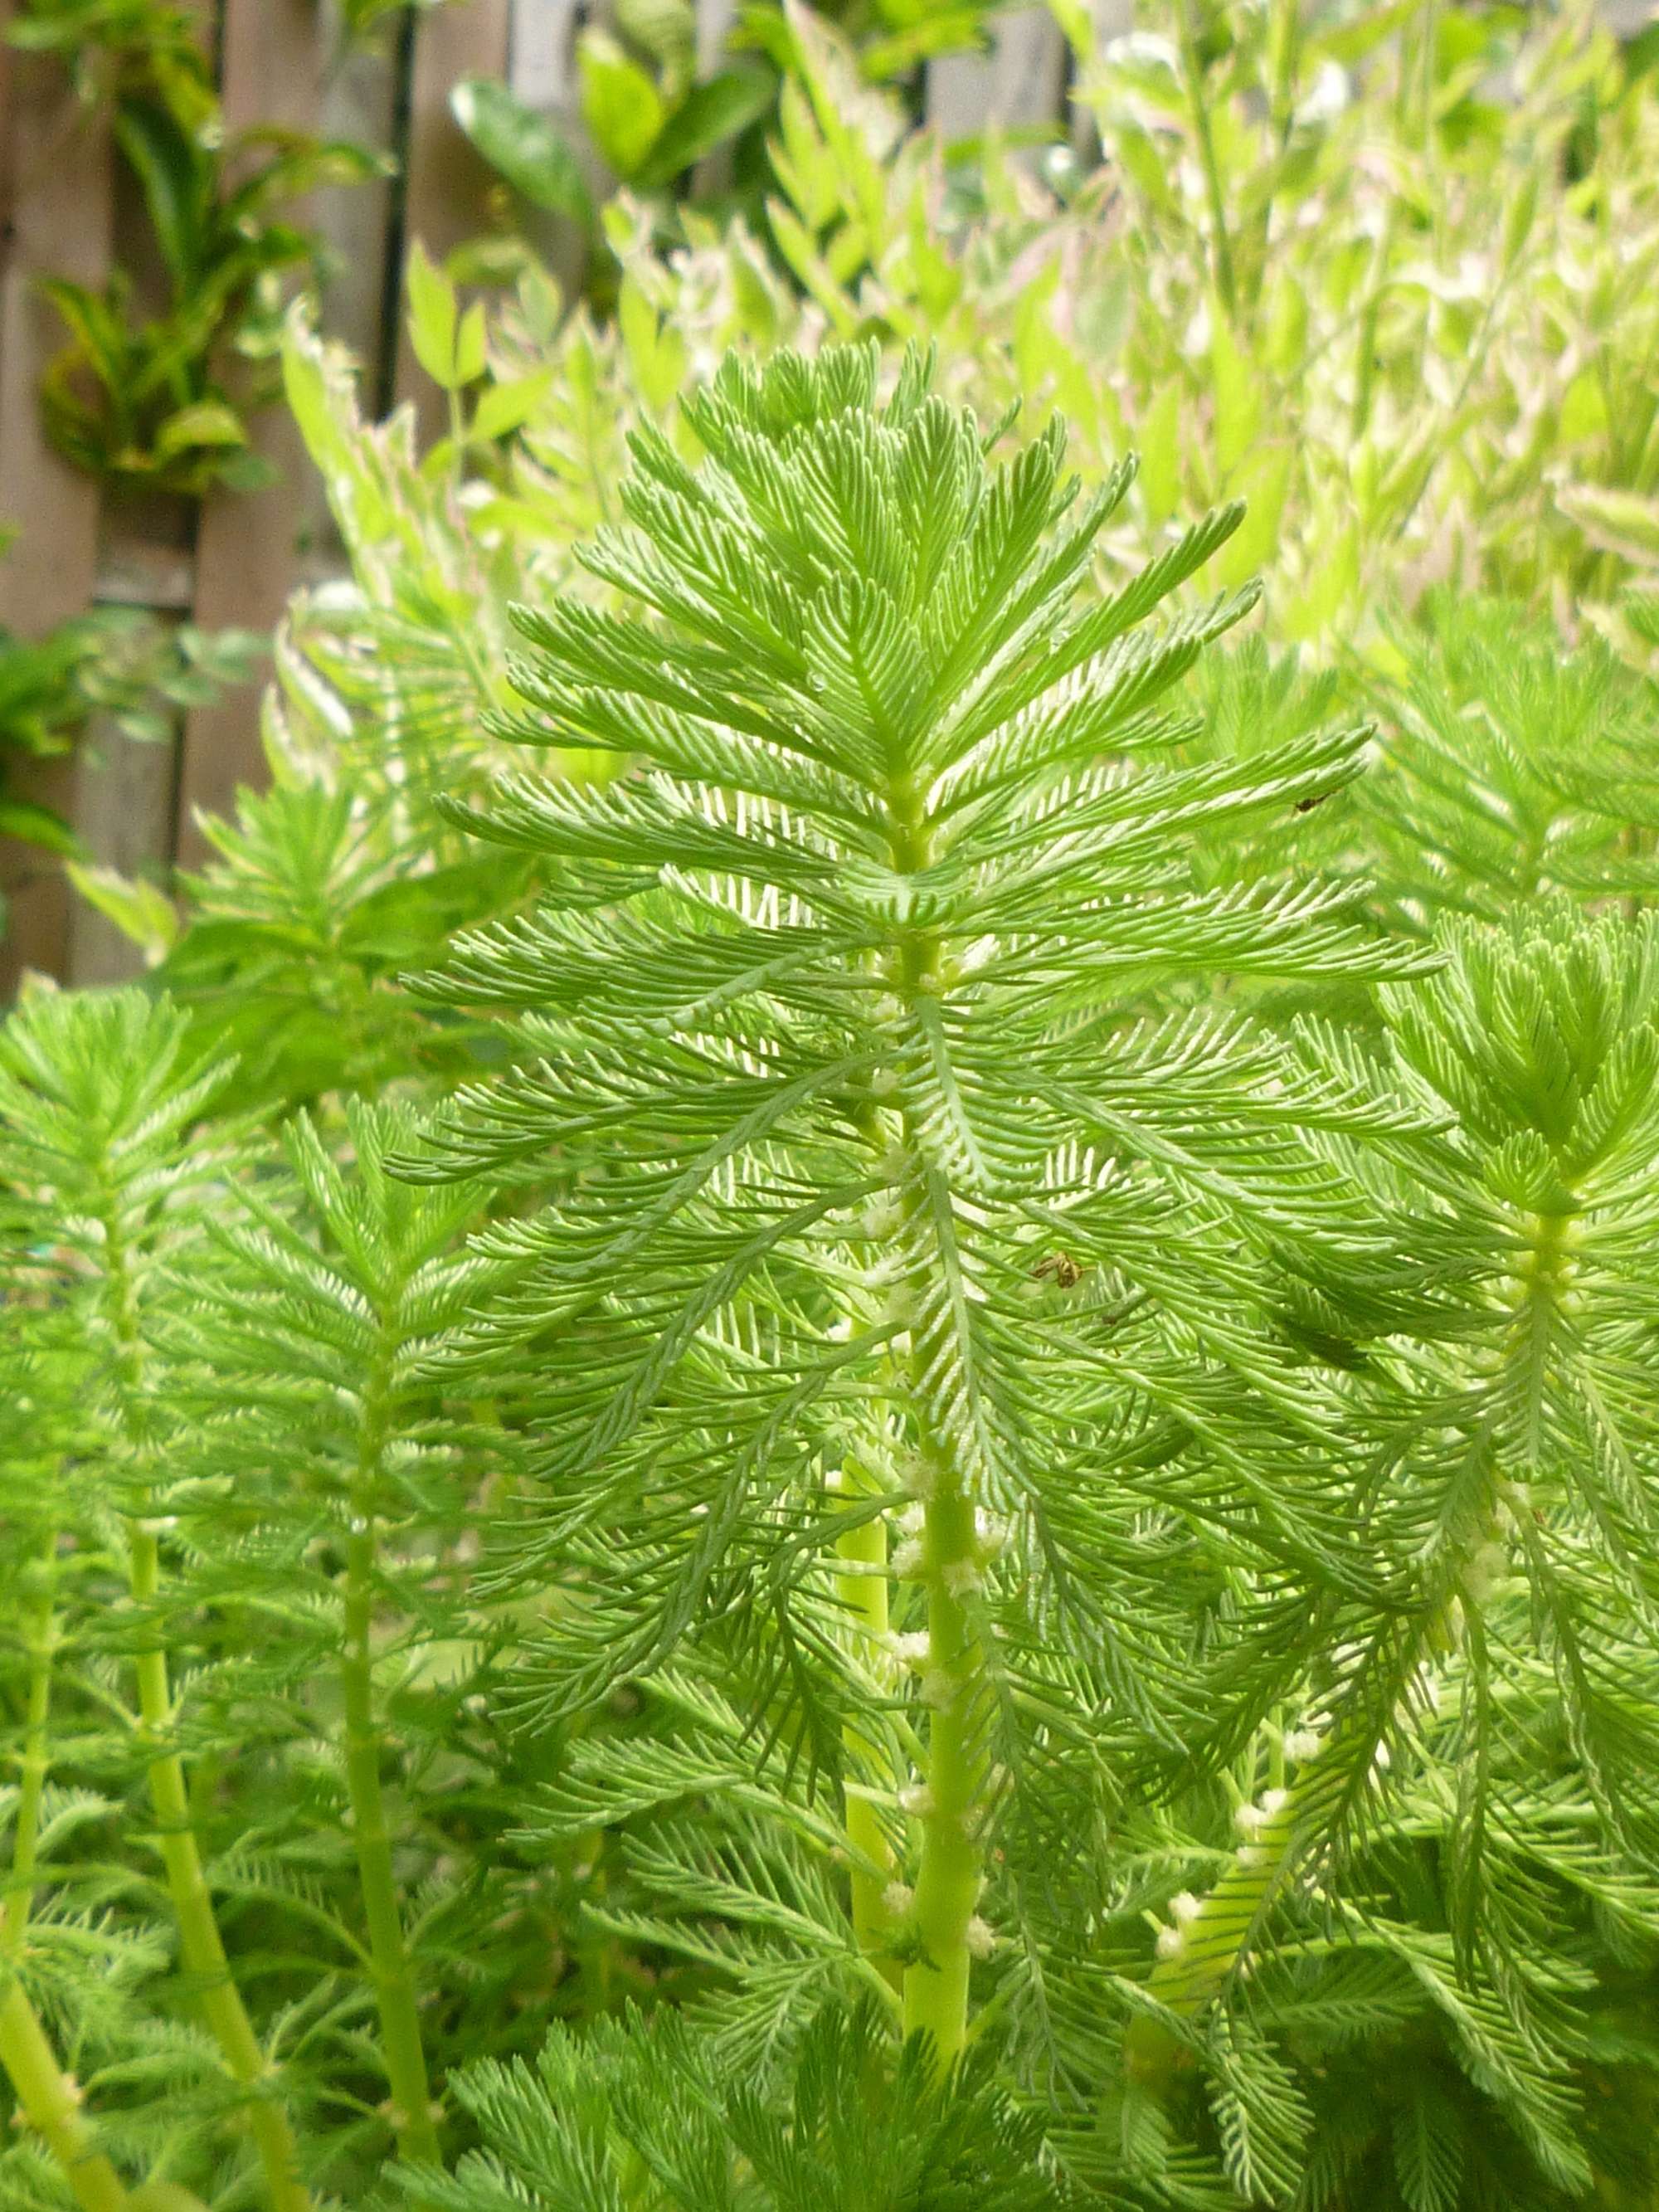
pixel 898 1897
pixel 980 1937
pixel 1140 50
pixel 907 1561
pixel 1302 1743
pixel 1329 97
pixel 916 1478
pixel 916 1799
pixel 990 1533
pixel 1184 1907
pixel 1487 1572
pixel 961 1577
pixel 913 1648
pixel 1170 1943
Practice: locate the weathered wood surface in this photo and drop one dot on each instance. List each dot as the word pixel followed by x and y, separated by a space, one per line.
pixel 1020 83
pixel 55 197
pixel 68 208
pixel 448 185
pixel 274 62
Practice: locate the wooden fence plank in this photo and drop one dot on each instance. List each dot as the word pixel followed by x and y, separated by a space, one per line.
pixel 56 201
pixel 1021 80
pixel 448 186
pixel 359 104
pixel 715 21
pixel 542 67
pixel 246 547
pixel 542 71
pixel 1108 20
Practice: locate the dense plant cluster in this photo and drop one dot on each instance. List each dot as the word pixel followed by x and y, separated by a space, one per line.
pixel 160 400
pixel 843 1394
pixel 117 664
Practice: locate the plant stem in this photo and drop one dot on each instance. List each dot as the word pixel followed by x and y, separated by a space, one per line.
pixel 1285 42
pixel 1225 283
pixel 951 1869
pixel 200 1942
pixel 52 2104
pixel 41 1643
pixel 863 1592
pixel 192 1903
pixel 401 2049
pixel 48 2098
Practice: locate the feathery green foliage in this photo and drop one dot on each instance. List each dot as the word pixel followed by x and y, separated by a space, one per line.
pixel 935 1481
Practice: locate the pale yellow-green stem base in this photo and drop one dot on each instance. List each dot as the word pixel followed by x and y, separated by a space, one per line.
pixel 394 1984
pixel 52 2104
pixel 863 1591
pixel 951 1871
pixel 192 1903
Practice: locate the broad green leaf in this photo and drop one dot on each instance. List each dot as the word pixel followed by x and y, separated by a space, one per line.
pixel 207 423
pixel 621 105
pixel 433 316
pixel 177 194
pixel 1076 19
pixel 1157 437
pixel 139 910
pixel 656 351
pixel 1237 384
pixel 505 407
pixel 36 825
pixel 1334 577
pixel 1261 482
pixel 318 392
pixel 709 114
pixel 1622 522
pixel 930 32
pixel 528 150
pixel 471 346
pixel 93 322
pixel 297 169
pixel 664 29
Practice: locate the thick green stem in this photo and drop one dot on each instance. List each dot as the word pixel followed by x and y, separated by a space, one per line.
pixel 49 2098
pixel 394 1982
pixel 40 1641
pixel 1284 46
pixel 52 2104
pixel 862 1587
pixel 199 1940
pixel 1192 70
pixel 952 1867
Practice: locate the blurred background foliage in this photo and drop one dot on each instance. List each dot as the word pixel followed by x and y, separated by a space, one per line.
pixel 1388 274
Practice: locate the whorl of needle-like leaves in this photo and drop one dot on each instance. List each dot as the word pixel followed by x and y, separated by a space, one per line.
pixel 829 1031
